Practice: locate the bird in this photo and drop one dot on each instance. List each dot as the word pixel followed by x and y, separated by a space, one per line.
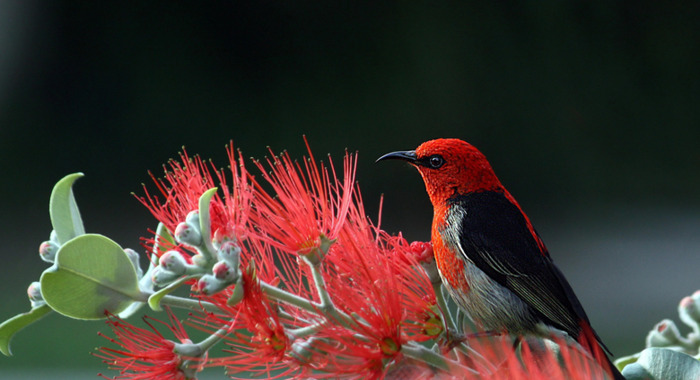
pixel 489 256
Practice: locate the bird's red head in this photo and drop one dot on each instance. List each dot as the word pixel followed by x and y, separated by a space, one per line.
pixel 449 167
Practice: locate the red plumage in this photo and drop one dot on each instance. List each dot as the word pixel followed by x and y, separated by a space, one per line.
pixel 490 258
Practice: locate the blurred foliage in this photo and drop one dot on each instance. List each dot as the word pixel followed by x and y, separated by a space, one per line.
pixel 586 99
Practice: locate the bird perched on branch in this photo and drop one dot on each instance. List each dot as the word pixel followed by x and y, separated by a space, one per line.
pixel 490 258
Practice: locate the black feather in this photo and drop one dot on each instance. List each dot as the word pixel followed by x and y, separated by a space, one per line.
pixel 496 238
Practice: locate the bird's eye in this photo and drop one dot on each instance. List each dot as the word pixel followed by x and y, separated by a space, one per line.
pixel 435 161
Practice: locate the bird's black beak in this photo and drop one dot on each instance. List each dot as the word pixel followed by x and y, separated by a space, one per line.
pixel 407 155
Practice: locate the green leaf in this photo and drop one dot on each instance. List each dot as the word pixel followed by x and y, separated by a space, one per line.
pixel 238 293
pixel 10 327
pixel 162 234
pixel 154 299
pixel 131 310
pixel 660 364
pixel 624 361
pixel 92 275
pixel 205 218
pixel 65 216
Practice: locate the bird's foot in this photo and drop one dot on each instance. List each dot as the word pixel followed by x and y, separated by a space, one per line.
pixel 452 339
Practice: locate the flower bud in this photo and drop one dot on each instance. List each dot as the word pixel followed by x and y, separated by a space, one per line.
pixel 47 251
pixel 223 271
pixel 690 313
pixel 200 260
pixel 162 277
pixel 187 233
pixel 173 261
pixel 422 251
pixel 192 218
pixel 696 295
pixel 34 293
pixel 664 334
pixel 208 284
pixel 218 238
pixel 134 257
pixel 230 252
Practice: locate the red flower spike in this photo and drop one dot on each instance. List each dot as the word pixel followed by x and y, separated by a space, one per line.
pixel 534 361
pixel 306 202
pixel 388 298
pixel 238 198
pixel 186 180
pixel 423 251
pixel 375 281
pixel 423 319
pixel 263 349
pixel 144 354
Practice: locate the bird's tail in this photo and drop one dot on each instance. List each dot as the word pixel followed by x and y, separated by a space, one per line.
pixel 591 342
pixel 617 375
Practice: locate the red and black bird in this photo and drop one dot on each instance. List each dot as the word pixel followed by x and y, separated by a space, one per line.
pixel 490 258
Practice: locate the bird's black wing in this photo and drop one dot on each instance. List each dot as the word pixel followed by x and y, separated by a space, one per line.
pixel 495 236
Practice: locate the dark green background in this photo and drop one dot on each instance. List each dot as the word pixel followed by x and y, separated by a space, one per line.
pixel 587 110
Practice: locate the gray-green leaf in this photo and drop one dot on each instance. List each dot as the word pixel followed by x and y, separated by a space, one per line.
pixel 662 364
pixel 205 218
pixel 10 327
pixel 155 298
pixel 92 275
pixel 65 216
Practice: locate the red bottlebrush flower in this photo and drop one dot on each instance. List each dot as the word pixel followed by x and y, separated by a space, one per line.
pixel 257 340
pixel 144 354
pixel 184 183
pixel 496 358
pixel 307 202
pixel 536 361
pixel 423 251
pixel 388 299
pixel 422 319
pixel 365 288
